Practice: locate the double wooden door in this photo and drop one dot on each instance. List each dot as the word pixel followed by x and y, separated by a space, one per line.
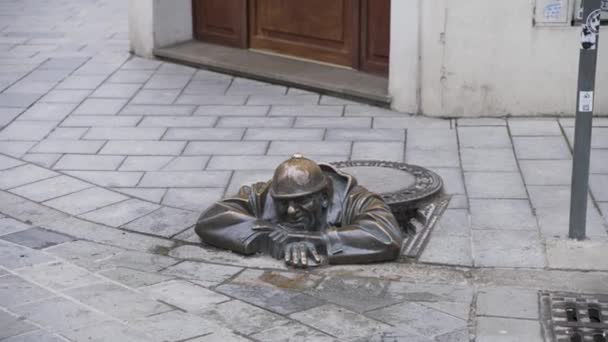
pixel 353 33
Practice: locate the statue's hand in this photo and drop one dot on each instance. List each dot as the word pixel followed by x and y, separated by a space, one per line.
pixel 297 253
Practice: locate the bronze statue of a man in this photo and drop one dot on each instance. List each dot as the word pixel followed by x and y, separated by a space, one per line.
pixel 307 214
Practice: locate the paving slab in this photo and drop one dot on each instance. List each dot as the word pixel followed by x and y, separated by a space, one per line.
pixel 9 226
pixel 88 162
pixel 16 291
pixel 572 254
pixel 151 148
pixel 185 179
pixel 157 109
pixel 187 163
pixel 134 278
pixel 448 250
pixel 541 148
pixel 24 174
pixel 85 200
pixel 47 112
pixel 100 107
pixel 501 248
pixel 439 158
pixel 9 163
pixel 113 90
pixel 83 253
pixel 148 194
pixel 108 178
pixel 523 303
pixel 185 295
pixel 36 336
pixel 58 275
pixel 476 159
pixel 291 134
pixel 107 331
pixel 145 163
pixel 71 133
pixel 484 137
pixel 68 146
pixel 28 211
pixel 204 274
pixel 121 213
pixel 12 325
pixel 164 222
pixel 196 200
pixel 292 331
pixel 175 326
pixel 14 256
pixel 546 172
pixel 255 122
pixel 495 185
pixel 490 329
pixel 502 214
pixel 375 134
pixel 177 121
pixel 147 262
pixel 36 238
pixel 73 96
pixel 243 318
pixel 124 133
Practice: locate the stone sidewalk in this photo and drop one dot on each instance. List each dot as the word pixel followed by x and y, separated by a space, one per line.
pixel 106 161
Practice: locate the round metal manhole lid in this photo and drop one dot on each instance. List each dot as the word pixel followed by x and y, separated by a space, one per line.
pixel 397 183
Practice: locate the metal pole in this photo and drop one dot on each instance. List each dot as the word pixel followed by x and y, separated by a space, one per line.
pixel 584 115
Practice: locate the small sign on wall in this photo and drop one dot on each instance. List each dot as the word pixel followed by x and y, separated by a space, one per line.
pixel 552 12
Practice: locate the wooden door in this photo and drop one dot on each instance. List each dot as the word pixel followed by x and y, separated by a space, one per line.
pixel 375 35
pixel 322 30
pixel 220 21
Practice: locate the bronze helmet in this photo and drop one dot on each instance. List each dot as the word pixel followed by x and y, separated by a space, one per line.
pixel 297 176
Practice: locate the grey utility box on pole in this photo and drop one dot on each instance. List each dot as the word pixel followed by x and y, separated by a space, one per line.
pixel 592 10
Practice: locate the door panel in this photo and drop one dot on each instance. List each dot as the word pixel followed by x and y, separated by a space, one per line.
pixel 221 22
pixel 375 35
pixel 323 30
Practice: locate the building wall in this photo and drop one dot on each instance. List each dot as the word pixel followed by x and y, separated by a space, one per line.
pixel 486 58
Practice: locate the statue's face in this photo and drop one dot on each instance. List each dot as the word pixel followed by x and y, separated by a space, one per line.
pixel 306 213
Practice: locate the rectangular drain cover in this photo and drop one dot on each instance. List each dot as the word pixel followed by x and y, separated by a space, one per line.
pixel 574 317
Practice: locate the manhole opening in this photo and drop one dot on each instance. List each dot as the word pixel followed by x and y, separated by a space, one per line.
pixel 594 315
pixel 576 337
pixel 599 338
pixel 571 314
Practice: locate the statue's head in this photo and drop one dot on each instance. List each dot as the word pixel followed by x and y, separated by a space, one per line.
pixel 301 194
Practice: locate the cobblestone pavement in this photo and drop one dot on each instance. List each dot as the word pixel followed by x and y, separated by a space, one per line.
pixel 106 160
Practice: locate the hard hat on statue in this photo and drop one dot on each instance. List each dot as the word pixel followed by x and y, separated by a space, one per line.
pixel 296 177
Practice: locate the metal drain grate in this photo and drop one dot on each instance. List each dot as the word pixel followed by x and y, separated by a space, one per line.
pixel 574 317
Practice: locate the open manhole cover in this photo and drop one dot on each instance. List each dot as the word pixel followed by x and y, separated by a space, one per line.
pixel 574 317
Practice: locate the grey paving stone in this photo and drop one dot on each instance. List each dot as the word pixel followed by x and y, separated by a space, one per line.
pixel 184 295
pixel 7 114
pixel 495 185
pixel 425 293
pixel 156 96
pixel 356 294
pixel 523 303
pixel 13 256
pixel 118 214
pixel 96 68
pixel 193 199
pixel 448 250
pixel 63 133
pixel 284 134
pixel 164 222
pixel 46 160
pixel 579 255
pixel 599 187
pixel 426 321
pixel 438 158
pixel 16 148
pixel 274 299
pixel 36 336
pixel 131 76
pixel 137 63
pixel 541 148
pixel 244 162
pixel 365 110
pixel 357 134
pixel 502 214
pixel 124 133
pixel 177 121
pixel 157 110
pixel 460 310
pixel 474 159
pixel 8 162
pixel 134 278
pixel 9 226
pixel 108 178
pixel 83 253
pixel 187 163
pixel 15 291
pixel 339 322
pixel 167 81
pixel 114 90
pixel 546 172
pixel 146 262
pixel 328 100
pixel 58 275
pixel 205 88
pixel 248 121
pixel 292 331
pixel 264 89
pixel 148 194
pixel 29 85
pixel 230 100
pixel 453 222
pixel 145 163
pixel 68 146
pixel 210 76
pixel 19 100
pixel 283 99
pixel 332 122
pixel 247 177
pixel 65 96
pixel 81 82
pixel 484 137
pixel 443 139
pixel 465 122
pixel 309 148
pixel 204 274
pixel 534 127
pixel 88 162
pixel 117 301
pixel 204 134
pixel 458 202
pixel 26 210
pixel 407 121
pixel 452 180
pixel 199 253
pixel 227 110
pixel 550 196
pixel 241 317
pixel 175 326
pixel 226 148
pixel 599 161
pixel 599 137
pixel 185 179
pixel 12 325
pixel 100 107
pixel 85 200
pixel 27 130
pixel 48 111
pixel 306 110
pixel 501 248
pixel 36 238
pixel 107 331
pixel 24 174
pixel 151 148
pixel 490 329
